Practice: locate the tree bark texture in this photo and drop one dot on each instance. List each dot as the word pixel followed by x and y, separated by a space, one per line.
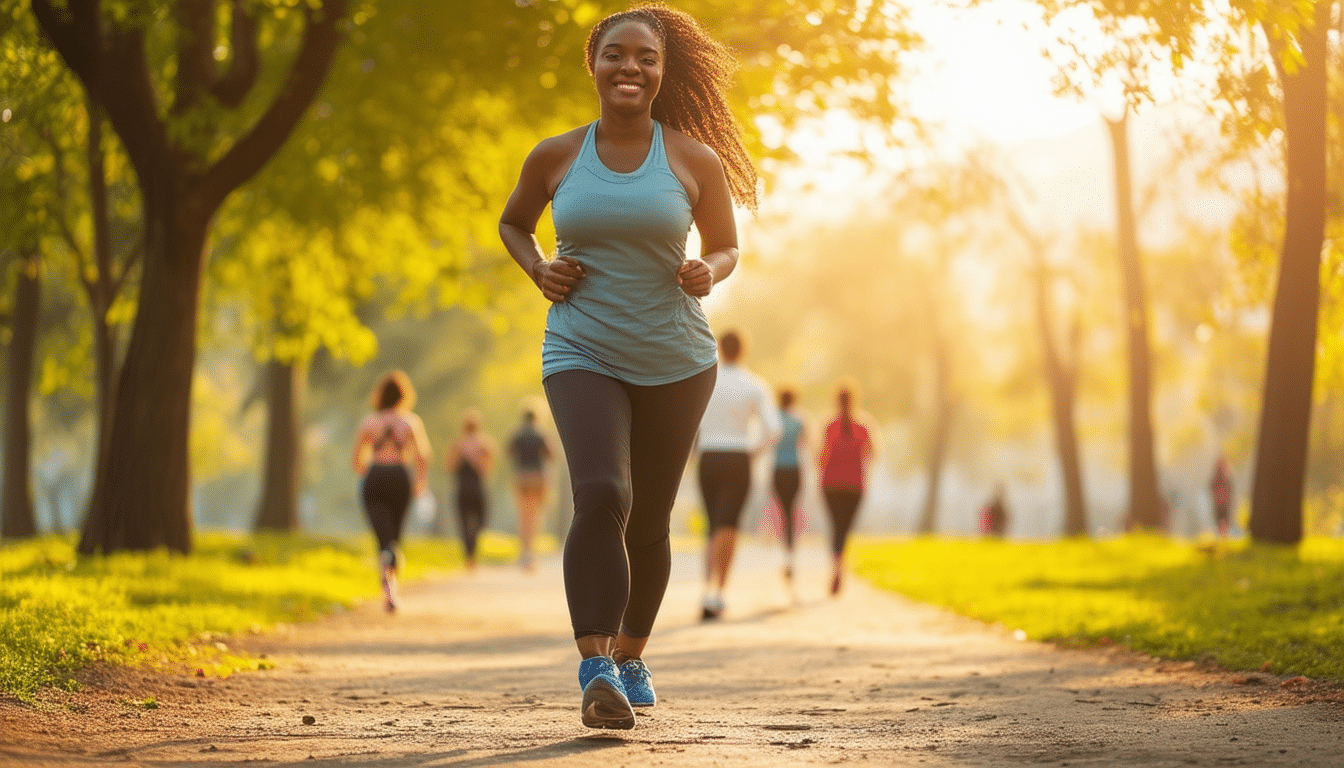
pixel 1146 507
pixel 17 519
pixel 102 290
pixel 1061 379
pixel 145 480
pixel 1285 415
pixel 945 409
pixel 278 506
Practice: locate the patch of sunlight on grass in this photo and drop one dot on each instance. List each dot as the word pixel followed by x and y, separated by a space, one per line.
pixel 60 612
pixel 1242 606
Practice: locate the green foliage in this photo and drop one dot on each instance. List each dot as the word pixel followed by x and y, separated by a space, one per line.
pixel 1242 607
pixel 59 613
pixel 390 190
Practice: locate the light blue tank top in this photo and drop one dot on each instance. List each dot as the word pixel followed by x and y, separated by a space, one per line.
pixel 627 318
pixel 786 451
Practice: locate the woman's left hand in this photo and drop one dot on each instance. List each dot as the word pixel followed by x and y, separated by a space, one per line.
pixel 695 278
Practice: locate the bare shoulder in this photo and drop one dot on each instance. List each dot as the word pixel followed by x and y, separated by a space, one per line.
pixel 555 150
pixel 694 154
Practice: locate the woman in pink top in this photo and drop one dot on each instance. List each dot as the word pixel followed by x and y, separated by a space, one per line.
pixel 844 459
pixel 388 439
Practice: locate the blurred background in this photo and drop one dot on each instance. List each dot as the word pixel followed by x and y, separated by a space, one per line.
pixel 958 199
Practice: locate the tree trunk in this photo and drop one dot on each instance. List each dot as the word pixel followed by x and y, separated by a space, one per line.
pixel 1146 508
pixel 146 488
pixel 1062 379
pixel 102 291
pixel 1285 416
pixel 942 432
pixel 278 506
pixel 17 519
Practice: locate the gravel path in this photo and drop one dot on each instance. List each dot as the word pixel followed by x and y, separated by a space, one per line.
pixel 479 670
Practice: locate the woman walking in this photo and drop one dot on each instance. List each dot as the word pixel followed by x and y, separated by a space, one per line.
pixel 470 458
pixel 530 453
pixel 386 441
pixel 628 360
pixel 788 472
pixel 843 466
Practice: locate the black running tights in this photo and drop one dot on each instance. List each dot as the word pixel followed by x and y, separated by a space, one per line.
pixel 725 482
pixel 787 480
pixel 387 495
pixel 842 505
pixel 626 447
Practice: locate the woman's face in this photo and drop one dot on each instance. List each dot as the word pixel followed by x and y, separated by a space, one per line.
pixel 628 67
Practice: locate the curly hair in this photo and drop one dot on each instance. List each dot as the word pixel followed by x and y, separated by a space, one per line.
pixel 697 72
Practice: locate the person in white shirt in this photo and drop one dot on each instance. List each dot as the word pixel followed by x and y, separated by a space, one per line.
pixel 740 421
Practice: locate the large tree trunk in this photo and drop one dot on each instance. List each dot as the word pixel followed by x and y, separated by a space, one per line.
pixel 278 506
pixel 1146 508
pixel 1062 379
pixel 1285 416
pixel 145 500
pixel 17 519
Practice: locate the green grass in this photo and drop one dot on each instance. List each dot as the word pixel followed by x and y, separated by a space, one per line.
pixel 1243 607
pixel 60 613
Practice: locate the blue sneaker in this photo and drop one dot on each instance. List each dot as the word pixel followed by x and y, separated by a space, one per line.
pixel 638 682
pixel 604 702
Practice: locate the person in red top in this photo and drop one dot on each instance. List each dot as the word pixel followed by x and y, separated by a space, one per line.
pixel 843 465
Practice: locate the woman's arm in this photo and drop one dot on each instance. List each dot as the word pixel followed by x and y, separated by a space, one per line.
pixel 363 437
pixel 420 443
pixel 452 457
pixel 518 223
pixel 713 214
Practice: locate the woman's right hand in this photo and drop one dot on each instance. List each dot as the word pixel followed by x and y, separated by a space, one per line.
pixel 558 277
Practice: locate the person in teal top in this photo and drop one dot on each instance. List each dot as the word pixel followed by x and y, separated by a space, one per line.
pixel 628 359
pixel 787 475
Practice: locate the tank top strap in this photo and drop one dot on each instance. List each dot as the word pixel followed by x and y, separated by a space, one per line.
pixel 588 150
pixel 657 152
pixel 588 159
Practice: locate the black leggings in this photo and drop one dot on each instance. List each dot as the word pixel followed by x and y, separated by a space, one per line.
pixel 787 481
pixel 725 480
pixel 626 447
pixel 842 505
pixel 470 511
pixel 387 495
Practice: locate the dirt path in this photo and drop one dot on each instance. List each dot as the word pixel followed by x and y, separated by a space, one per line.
pixel 479 671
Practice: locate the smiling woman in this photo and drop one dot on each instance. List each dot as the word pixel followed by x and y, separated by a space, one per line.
pixel 628 361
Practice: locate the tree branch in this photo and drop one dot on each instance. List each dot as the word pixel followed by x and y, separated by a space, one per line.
pixel 129 259
pixel 245 63
pixel 195 52
pixel 306 76
pixel 59 180
pixel 74 30
pixel 112 65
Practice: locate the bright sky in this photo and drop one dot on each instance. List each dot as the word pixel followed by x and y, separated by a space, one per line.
pixel 981 79
pixel 984 77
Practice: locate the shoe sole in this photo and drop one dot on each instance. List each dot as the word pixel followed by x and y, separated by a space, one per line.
pixel 604 706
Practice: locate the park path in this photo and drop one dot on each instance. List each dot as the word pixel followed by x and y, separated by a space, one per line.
pixel 479 670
